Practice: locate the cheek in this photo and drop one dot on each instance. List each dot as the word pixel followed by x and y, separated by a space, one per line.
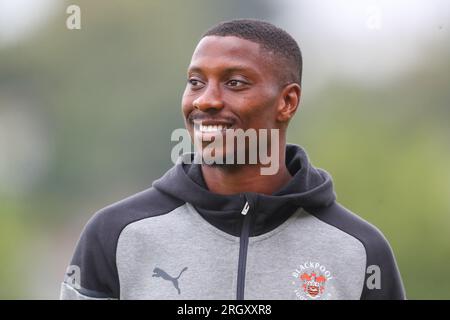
pixel 261 112
pixel 186 105
pixel 184 109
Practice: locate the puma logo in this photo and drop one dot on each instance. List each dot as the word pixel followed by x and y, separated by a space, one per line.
pixel 159 273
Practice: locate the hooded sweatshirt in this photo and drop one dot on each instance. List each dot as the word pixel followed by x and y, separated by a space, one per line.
pixel 178 240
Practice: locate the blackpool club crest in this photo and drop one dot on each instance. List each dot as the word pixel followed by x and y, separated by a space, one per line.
pixel 311 280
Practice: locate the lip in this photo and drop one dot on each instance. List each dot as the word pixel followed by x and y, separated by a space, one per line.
pixel 213 123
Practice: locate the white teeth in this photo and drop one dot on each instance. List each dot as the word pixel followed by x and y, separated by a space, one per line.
pixel 211 128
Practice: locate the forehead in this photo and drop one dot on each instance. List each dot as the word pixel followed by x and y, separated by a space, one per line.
pixel 217 52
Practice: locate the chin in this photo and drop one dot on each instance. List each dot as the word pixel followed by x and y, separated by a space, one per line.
pixel 219 156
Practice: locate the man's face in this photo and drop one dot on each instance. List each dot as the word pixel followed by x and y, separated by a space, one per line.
pixel 231 85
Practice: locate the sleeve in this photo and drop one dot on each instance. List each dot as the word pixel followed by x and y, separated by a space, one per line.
pixel 92 273
pixel 382 280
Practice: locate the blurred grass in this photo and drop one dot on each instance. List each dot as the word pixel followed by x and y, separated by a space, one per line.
pixel 14 235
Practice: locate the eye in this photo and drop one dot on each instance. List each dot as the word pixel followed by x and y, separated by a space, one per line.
pixel 236 83
pixel 195 83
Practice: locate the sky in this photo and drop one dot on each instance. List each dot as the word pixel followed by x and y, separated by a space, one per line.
pixel 366 41
pixel 20 19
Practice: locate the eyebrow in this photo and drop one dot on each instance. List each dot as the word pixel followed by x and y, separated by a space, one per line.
pixel 237 68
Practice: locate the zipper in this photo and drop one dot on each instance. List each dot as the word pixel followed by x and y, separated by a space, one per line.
pixel 243 247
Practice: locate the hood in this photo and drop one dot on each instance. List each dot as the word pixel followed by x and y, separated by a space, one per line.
pixel 309 187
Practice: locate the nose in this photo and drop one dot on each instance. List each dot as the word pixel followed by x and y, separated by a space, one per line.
pixel 210 99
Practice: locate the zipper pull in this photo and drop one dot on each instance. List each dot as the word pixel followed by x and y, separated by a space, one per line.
pixel 245 209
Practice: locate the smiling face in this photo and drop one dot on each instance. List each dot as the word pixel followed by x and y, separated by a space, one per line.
pixel 232 83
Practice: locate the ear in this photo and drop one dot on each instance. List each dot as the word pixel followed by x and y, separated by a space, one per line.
pixel 290 98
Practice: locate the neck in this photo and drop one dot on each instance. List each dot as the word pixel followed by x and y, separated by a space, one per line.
pixel 227 180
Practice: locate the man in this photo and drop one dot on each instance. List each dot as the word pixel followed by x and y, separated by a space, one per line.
pixel 227 231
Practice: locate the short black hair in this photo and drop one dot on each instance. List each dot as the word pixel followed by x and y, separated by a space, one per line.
pixel 270 38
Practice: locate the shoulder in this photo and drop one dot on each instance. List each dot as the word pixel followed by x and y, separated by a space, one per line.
pixel 112 219
pixel 347 221
pixel 379 255
pixel 95 252
pixel 101 233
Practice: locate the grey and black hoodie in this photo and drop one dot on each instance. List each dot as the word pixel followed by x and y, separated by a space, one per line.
pixel 178 240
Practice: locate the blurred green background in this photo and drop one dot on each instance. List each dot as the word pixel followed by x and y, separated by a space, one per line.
pixel 86 117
